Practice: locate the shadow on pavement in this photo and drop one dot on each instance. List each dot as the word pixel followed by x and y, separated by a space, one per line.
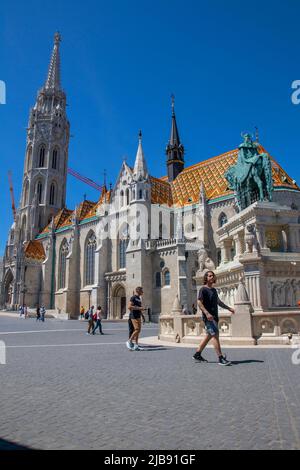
pixel 7 445
pixel 248 361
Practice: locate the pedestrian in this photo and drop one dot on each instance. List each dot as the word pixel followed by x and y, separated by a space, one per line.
pixel 130 324
pixel 82 312
pixel 38 313
pixel 194 309
pixel 208 302
pixel 136 308
pixel 21 310
pixel 90 320
pixel 98 321
pixel 25 312
pixel 42 312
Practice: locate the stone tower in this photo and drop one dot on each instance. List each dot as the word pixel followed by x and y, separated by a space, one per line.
pixel 45 168
pixel 174 150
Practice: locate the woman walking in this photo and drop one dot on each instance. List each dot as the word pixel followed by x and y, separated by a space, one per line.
pixel 98 321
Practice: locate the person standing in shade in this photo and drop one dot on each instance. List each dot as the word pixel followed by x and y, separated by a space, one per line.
pixel 42 312
pixel 136 309
pixel 90 320
pixel 38 313
pixel 208 301
pixel 82 313
pixel 98 321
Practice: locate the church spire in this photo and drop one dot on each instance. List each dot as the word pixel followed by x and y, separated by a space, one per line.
pixel 140 168
pixel 174 150
pixel 53 78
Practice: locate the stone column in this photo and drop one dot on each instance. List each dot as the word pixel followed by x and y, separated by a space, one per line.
pixel 241 321
pixel 225 250
pixel 239 244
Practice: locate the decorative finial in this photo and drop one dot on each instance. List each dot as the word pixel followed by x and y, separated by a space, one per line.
pixel 84 196
pixel 57 38
pixel 140 136
pixel 173 103
pixel 104 177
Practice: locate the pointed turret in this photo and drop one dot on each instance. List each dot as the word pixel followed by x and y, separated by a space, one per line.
pixel 174 150
pixel 140 168
pixel 53 78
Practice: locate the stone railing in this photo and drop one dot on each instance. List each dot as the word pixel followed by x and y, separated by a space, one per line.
pixel 266 328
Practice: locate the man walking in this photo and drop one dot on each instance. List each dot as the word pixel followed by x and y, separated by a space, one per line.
pixel 136 309
pixel 208 302
pixel 91 320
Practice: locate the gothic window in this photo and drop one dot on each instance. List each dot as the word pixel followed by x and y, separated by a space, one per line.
pixel 29 157
pixel 90 259
pixel 167 278
pixel 140 194
pixel 121 199
pixel 157 280
pixel 127 196
pixel 52 195
pixel 122 252
pixel 133 194
pixel 42 157
pixel 222 219
pixel 63 253
pixel 23 229
pixel 39 191
pixel 26 193
pixel 54 159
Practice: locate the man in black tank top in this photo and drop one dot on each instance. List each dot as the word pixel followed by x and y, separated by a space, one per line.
pixel 208 302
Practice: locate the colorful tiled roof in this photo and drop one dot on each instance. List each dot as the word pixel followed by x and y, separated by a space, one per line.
pixel 184 190
pixel 34 250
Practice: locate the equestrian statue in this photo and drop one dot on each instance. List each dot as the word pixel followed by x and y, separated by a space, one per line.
pixel 251 177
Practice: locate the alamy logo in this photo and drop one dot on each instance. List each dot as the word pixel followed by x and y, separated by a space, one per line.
pixel 2 353
pixel 2 92
pixel 296 94
pixel 296 355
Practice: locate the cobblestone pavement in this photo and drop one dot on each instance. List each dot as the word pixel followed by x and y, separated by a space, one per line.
pixel 62 389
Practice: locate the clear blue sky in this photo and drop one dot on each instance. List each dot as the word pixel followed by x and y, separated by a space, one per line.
pixel 229 63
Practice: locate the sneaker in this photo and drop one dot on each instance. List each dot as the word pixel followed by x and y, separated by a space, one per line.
pixel 223 361
pixel 197 356
pixel 136 348
pixel 129 345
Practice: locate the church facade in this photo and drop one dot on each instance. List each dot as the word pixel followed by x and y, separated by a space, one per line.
pixel 161 233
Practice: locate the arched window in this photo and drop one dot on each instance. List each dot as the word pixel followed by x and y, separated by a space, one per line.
pixel 63 253
pixel 121 198
pixel 55 159
pixel 42 157
pixel 133 194
pixel 157 279
pixel 140 194
pixel 26 193
pixel 122 252
pixel 23 229
pixel 90 248
pixel 167 277
pixel 29 157
pixel 222 219
pixel 52 195
pixel 39 191
pixel 127 196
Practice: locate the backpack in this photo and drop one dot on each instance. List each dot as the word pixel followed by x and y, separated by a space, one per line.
pixel 86 315
pixel 95 316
